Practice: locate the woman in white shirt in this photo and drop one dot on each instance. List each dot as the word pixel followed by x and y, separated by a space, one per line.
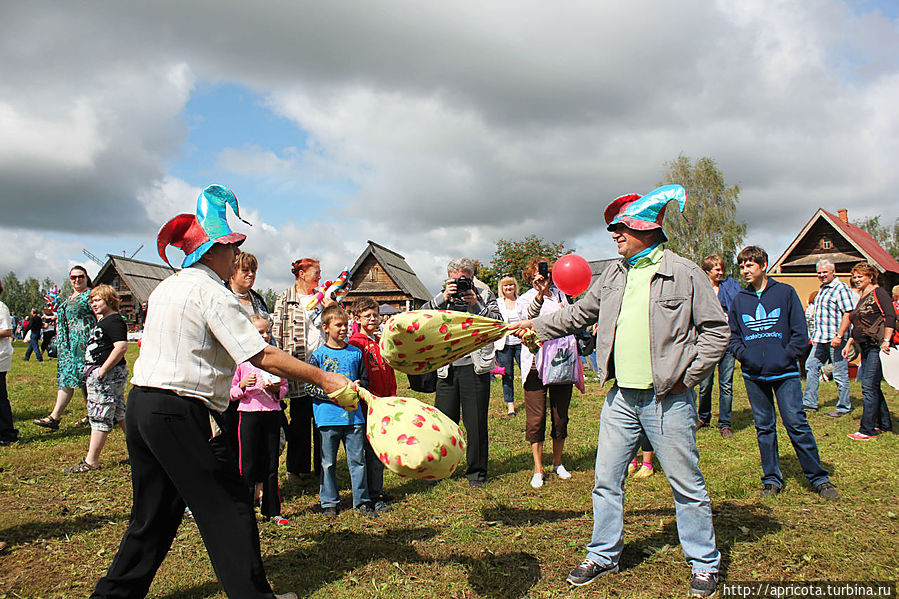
pixel 8 434
pixel 508 349
pixel 543 298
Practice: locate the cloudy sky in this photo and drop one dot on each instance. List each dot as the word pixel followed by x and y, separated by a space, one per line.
pixel 433 128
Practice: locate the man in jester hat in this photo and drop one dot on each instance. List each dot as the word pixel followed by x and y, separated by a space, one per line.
pixel 195 334
pixel 660 331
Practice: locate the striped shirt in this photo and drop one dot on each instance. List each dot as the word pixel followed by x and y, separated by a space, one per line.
pixel 195 335
pixel 832 301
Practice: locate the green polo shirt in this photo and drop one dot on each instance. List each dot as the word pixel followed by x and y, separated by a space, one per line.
pixel 633 369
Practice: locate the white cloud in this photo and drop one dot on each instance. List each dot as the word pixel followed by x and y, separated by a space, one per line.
pixel 454 125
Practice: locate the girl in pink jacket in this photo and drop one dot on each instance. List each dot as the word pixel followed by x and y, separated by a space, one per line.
pixel 259 425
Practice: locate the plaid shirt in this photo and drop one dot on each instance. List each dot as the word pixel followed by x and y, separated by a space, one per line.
pixel 195 335
pixel 832 301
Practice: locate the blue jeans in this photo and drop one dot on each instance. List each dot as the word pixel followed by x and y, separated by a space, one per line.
pixel 725 392
pixel 592 358
pixel 819 356
pixel 353 437
pixel 789 393
pixel 506 358
pixel 34 345
pixel 670 425
pixel 876 413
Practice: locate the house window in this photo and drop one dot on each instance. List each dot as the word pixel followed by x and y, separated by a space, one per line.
pixel 372 275
pixel 827 244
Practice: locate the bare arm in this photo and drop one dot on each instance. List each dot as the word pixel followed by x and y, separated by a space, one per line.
pixel 4 333
pixel 278 362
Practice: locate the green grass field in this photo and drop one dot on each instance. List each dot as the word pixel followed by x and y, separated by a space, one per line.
pixel 446 540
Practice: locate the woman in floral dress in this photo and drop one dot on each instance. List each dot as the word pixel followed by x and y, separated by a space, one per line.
pixel 75 321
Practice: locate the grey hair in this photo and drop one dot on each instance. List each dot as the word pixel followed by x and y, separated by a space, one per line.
pixel 825 262
pixel 465 265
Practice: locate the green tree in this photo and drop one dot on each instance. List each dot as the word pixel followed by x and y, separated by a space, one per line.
pixel 708 224
pixel 269 295
pixel 512 256
pixel 21 296
pixel 886 236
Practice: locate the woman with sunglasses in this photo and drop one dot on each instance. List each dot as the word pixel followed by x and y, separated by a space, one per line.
pixel 75 322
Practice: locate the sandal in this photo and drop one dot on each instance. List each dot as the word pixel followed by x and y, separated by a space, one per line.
pixel 83 422
pixel 48 422
pixel 81 468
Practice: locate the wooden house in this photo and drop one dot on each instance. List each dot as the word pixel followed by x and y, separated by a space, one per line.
pixel 831 236
pixel 384 275
pixel 133 280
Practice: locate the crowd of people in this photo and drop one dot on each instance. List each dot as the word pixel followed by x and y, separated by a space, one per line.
pixel 209 414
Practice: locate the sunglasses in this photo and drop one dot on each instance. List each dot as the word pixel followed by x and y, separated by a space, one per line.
pixel 76 277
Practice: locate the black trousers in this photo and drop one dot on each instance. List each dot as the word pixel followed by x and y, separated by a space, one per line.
pixel 174 460
pixel 47 337
pixel 8 432
pixel 304 445
pixel 260 437
pixel 465 391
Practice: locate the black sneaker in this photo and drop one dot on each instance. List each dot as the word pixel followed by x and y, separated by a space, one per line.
pixel 330 511
pixel 770 490
pixel 589 571
pixel 475 483
pixel 367 509
pixel 381 507
pixel 827 490
pixel 703 584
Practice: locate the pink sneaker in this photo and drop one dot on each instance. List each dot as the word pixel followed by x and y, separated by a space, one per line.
pixel 862 437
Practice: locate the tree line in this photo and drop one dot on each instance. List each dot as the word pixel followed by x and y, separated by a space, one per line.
pixel 21 296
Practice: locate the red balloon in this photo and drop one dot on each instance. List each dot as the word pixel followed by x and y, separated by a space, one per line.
pixel 572 274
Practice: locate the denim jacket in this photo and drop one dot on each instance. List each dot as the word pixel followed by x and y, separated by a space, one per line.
pixel 687 328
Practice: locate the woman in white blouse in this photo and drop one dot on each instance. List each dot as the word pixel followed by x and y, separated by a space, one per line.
pixel 543 298
pixel 508 349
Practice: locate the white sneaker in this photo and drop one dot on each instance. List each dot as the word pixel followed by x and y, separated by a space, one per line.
pixel 562 473
pixel 537 480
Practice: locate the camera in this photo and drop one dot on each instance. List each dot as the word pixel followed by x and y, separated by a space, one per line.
pixel 463 286
pixel 543 269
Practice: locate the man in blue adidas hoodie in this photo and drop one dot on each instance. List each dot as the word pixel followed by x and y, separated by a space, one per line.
pixel 768 334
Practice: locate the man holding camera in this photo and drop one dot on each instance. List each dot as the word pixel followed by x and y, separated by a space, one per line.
pixel 464 385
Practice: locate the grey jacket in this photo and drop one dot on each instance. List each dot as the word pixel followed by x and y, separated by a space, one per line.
pixel 483 358
pixel 687 328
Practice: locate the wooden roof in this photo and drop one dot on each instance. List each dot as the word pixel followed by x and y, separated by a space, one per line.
pixel 857 238
pixel 140 277
pixel 396 268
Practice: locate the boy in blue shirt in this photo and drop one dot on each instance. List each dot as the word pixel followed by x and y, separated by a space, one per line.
pixel 768 334
pixel 333 422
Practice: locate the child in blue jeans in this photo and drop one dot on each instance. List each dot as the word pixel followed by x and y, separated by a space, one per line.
pixel 336 424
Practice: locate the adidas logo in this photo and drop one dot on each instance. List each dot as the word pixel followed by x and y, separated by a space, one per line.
pixel 762 321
